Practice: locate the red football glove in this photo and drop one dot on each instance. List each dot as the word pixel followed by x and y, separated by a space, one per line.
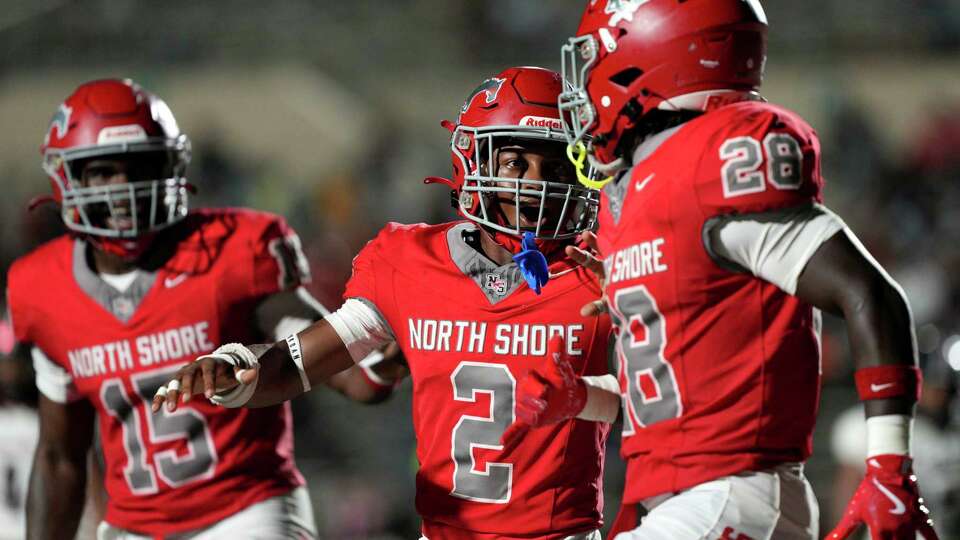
pixel 547 394
pixel 888 502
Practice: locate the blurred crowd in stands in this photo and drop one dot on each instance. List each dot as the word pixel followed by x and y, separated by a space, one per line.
pixel 901 195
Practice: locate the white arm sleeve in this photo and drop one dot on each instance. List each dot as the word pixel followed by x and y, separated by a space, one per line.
pixel 52 380
pixel 361 327
pixel 774 246
pixel 603 399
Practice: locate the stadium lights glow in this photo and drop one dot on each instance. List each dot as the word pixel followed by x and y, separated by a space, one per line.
pixel 951 351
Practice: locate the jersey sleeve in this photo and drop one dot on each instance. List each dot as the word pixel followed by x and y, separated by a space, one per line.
pixel 52 380
pixel 367 265
pixel 278 260
pixel 363 320
pixel 758 158
pixel 774 246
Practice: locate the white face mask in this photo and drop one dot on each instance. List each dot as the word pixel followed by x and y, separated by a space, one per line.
pixel 127 210
pixel 539 199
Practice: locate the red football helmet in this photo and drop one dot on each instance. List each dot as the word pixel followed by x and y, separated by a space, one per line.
pixel 631 57
pixel 518 104
pixel 112 118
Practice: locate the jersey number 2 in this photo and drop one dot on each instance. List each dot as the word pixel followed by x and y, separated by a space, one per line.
pixel 743 156
pixel 495 484
pixel 197 463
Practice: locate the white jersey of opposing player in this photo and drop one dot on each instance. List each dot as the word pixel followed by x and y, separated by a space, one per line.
pixel 19 428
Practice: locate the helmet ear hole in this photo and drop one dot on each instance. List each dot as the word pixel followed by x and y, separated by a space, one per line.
pixel 626 77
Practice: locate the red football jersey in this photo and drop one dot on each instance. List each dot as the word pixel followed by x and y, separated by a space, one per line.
pixel 469 329
pixel 719 369
pixel 167 472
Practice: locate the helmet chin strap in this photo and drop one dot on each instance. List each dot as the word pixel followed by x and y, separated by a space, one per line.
pixel 514 243
pixel 607 168
pixel 127 250
pixel 580 163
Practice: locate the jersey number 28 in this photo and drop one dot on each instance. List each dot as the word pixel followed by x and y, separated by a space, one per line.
pixel 743 156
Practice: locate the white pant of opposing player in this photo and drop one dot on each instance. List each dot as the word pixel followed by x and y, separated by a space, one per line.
pixel 288 516
pixel 776 504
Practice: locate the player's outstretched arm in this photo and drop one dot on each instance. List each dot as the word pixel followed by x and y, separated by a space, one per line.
pixel 56 493
pixel 843 279
pixel 266 375
pixel 372 381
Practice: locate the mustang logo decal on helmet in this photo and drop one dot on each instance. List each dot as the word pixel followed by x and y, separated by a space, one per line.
pixel 622 10
pixel 61 121
pixel 490 88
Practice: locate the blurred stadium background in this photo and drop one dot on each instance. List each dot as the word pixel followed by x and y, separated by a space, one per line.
pixel 328 113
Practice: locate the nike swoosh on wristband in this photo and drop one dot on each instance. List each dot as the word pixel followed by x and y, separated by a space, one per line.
pixel 879 387
pixel 898 507
pixel 174 281
pixel 643 184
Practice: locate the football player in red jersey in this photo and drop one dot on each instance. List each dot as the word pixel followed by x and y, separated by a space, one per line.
pixel 470 320
pixel 718 255
pixel 111 310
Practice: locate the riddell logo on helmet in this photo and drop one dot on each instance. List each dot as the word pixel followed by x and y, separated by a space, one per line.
pixel 541 121
pixel 127 133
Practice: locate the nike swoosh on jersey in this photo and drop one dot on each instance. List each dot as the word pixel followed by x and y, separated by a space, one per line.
pixel 899 508
pixel 174 281
pixel 879 387
pixel 643 184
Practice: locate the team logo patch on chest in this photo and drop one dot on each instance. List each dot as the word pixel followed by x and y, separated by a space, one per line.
pixel 495 284
pixel 123 307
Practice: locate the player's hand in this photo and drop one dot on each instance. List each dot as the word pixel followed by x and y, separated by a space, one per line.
pixel 888 502
pixel 590 259
pixel 208 374
pixel 547 394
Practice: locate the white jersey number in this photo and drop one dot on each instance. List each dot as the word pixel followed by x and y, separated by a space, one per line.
pixel 197 463
pixel 493 485
pixel 742 157
pixel 652 391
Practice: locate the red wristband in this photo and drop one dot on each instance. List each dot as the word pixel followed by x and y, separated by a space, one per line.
pixel 884 382
pixel 374 381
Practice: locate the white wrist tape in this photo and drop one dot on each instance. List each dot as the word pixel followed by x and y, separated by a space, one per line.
pixel 293 344
pixel 603 399
pixel 241 357
pixel 889 434
pixel 361 327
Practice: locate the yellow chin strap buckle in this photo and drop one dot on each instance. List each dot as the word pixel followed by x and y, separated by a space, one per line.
pixel 580 163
